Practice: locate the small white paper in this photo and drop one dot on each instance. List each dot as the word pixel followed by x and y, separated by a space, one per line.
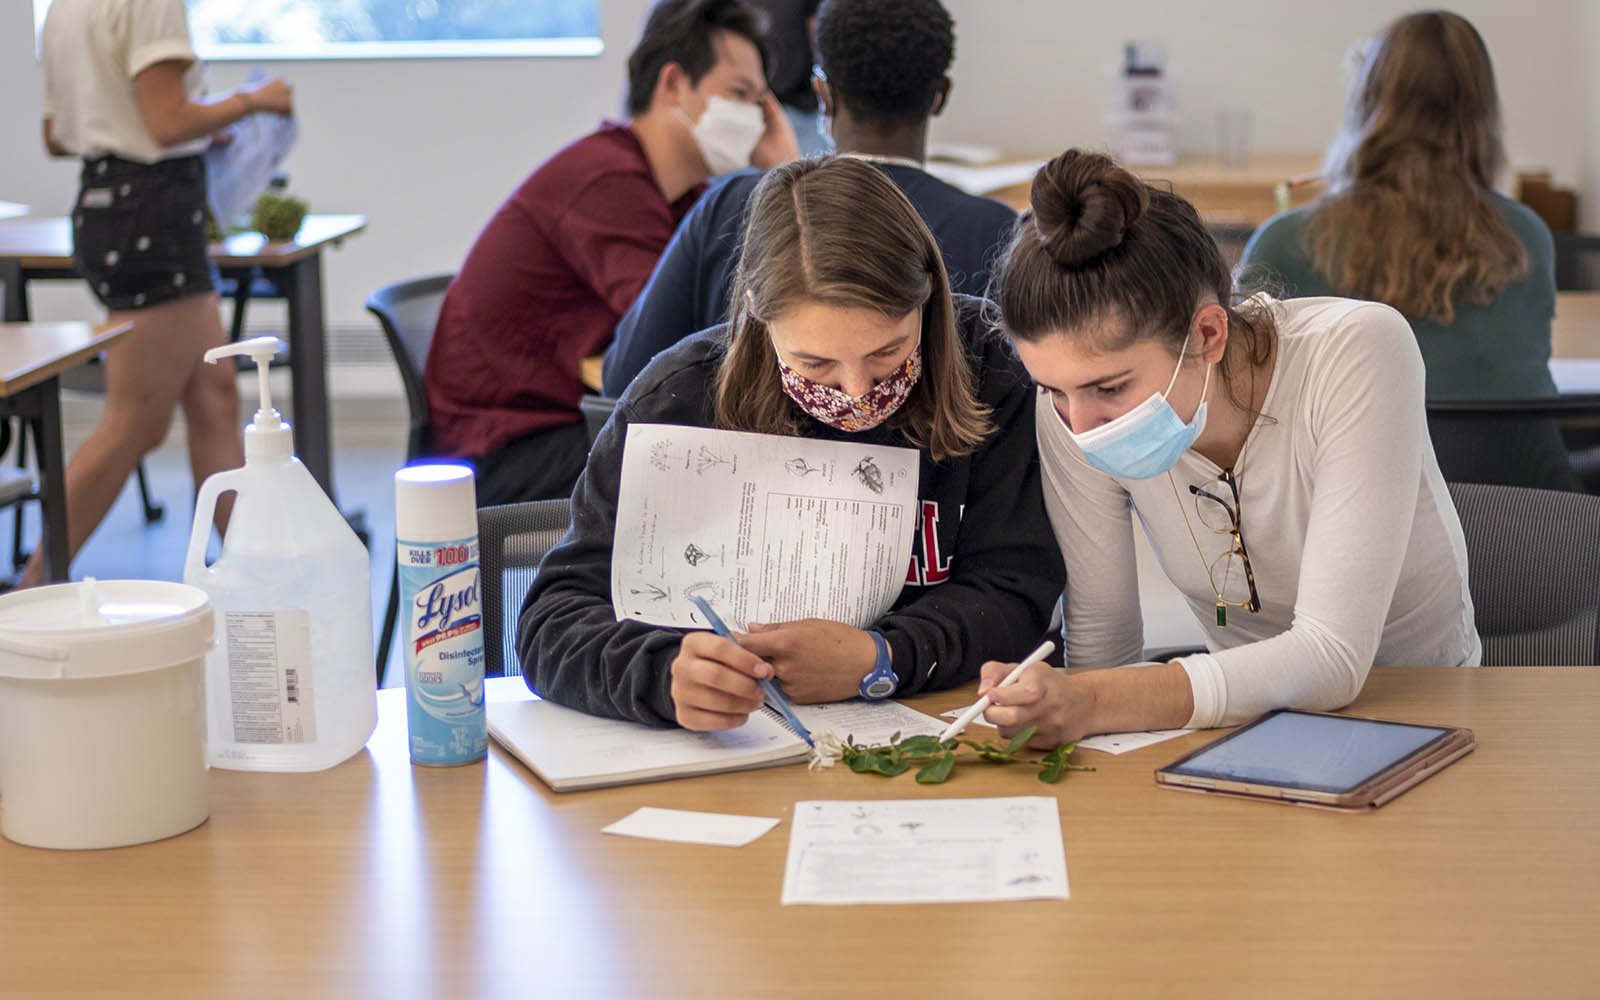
pixel 1120 743
pixel 925 851
pixel 686 827
pixel 868 723
pixel 1112 743
pixel 764 527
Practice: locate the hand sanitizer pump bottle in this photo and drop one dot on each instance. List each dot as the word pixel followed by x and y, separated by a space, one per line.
pixel 290 684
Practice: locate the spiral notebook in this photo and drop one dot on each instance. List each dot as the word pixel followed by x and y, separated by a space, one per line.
pixel 571 751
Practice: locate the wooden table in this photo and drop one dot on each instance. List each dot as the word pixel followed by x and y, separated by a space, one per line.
pixel 1227 197
pixel 40 248
pixel 32 358
pixel 379 879
pixel 591 370
pixel 1576 330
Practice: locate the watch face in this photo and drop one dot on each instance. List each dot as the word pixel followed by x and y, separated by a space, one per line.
pixel 880 687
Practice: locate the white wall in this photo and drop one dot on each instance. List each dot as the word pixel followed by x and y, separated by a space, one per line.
pixel 1588 37
pixel 427 149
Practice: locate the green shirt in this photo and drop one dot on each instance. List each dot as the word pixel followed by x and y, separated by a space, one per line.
pixel 1496 351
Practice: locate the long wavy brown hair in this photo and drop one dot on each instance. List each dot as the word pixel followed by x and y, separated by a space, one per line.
pixel 835 230
pixel 1409 217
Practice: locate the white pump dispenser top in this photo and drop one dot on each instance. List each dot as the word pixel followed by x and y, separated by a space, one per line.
pixel 268 435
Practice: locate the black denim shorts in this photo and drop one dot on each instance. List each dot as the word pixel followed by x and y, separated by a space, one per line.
pixel 139 231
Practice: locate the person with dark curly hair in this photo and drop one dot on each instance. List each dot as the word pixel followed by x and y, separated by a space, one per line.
pixel 1298 506
pixel 882 73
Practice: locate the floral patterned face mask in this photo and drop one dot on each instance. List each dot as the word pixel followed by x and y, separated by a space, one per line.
pixel 844 412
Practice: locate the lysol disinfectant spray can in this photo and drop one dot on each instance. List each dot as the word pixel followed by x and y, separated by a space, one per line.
pixel 441 613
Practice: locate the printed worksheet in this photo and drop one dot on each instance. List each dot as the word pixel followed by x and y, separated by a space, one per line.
pixel 925 851
pixel 765 528
pixel 867 722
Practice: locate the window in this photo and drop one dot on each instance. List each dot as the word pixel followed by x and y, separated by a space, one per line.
pixel 395 29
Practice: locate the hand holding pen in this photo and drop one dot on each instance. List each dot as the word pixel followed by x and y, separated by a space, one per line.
pixel 978 708
pixel 772 694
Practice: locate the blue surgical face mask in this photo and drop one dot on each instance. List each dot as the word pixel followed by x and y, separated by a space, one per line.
pixel 1147 440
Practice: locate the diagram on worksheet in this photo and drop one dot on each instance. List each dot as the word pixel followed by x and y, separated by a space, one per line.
pixel 766 528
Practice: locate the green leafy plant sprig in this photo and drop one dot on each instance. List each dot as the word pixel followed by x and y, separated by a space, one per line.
pixel 938 759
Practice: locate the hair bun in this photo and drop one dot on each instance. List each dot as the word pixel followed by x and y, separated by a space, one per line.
pixel 1083 205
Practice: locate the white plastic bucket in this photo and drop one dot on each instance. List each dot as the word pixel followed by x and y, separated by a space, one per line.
pixel 102 712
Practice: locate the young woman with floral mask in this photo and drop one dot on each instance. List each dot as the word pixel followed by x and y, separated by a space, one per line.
pixel 843 328
pixel 1275 453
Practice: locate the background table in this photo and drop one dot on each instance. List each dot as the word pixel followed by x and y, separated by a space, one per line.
pixel 1227 197
pixel 40 248
pixel 379 879
pixel 32 358
pixel 1576 330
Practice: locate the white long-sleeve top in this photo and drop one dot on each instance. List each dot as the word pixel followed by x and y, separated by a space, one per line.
pixel 1356 547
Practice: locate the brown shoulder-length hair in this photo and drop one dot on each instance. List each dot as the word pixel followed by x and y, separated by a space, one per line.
pixel 836 231
pixel 1109 260
pixel 1409 217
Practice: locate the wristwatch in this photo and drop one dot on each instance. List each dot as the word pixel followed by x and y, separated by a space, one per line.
pixel 881 682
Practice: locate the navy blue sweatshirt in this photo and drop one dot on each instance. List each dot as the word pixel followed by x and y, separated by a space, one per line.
pixel 692 281
pixel 985 571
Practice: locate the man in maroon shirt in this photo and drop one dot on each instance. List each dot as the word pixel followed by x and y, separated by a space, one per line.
pixel 565 256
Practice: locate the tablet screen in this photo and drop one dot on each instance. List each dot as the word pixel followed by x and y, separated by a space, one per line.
pixel 1315 752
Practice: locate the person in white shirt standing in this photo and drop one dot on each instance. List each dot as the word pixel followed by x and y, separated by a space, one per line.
pixel 122 92
pixel 1275 453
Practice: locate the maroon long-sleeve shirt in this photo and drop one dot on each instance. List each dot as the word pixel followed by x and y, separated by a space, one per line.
pixel 543 287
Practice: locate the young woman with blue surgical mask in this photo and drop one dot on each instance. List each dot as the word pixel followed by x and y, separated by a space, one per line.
pixel 1275 453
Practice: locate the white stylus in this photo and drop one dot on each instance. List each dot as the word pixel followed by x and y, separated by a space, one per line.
pixel 965 718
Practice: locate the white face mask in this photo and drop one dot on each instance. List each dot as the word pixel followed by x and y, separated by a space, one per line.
pixel 727 133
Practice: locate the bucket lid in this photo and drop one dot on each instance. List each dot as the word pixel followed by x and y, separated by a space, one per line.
pixel 102 628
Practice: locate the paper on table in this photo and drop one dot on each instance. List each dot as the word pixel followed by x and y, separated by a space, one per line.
pixel 766 528
pixel 238 171
pixel 1120 743
pixel 987 179
pixel 969 153
pixel 687 827
pixel 867 722
pixel 925 851
pixel 1112 743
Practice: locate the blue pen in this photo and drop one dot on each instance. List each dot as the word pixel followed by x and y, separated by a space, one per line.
pixel 775 697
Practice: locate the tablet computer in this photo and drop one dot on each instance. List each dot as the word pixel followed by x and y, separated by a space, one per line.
pixel 1314 758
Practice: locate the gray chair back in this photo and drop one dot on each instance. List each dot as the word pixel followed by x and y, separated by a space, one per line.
pixel 408 312
pixel 1533 560
pixel 512 540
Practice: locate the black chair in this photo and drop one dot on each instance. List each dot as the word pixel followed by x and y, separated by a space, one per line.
pixel 1533 568
pixel 1512 442
pixel 1577 262
pixel 408 312
pixel 596 411
pixel 512 539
